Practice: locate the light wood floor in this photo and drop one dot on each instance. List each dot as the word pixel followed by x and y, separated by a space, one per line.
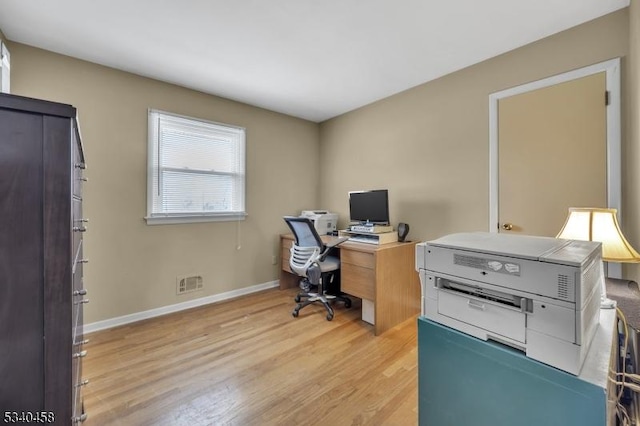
pixel 248 362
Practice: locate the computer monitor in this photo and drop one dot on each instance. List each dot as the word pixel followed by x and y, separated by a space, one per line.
pixel 369 206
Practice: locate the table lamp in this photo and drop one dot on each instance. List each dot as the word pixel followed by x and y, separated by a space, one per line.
pixel 596 224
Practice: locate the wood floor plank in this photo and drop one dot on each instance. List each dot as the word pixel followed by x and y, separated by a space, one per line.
pixel 248 362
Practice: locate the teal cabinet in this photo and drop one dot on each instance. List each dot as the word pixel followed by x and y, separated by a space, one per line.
pixel 464 381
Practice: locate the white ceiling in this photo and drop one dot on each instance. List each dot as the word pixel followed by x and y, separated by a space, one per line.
pixel 313 59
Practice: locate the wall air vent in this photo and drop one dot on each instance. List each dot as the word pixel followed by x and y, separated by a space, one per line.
pixel 188 283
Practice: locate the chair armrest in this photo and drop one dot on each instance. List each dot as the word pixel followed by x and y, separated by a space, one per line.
pixel 337 242
pixel 328 247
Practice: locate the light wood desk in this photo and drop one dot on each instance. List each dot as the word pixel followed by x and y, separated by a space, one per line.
pixel 384 276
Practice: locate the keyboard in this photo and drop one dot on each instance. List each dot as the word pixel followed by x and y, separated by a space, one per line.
pixel 369 239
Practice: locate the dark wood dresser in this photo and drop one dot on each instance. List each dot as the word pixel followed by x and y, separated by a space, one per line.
pixel 41 261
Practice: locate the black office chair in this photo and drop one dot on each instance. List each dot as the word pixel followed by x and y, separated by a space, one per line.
pixel 311 261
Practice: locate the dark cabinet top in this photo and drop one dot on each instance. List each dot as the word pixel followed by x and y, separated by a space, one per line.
pixel 22 103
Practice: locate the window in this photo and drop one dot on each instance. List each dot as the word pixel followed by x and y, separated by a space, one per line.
pixel 5 68
pixel 196 170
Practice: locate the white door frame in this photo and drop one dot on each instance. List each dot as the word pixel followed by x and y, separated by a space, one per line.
pixel 5 68
pixel 614 177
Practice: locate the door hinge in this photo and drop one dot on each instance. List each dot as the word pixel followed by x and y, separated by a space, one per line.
pixel 606 97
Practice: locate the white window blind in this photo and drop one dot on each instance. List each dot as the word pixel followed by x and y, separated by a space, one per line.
pixel 196 170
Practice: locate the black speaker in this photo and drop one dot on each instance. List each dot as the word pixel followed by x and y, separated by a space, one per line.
pixel 403 230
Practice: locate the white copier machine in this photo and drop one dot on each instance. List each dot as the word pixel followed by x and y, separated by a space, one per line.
pixel 538 294
pixel 324 222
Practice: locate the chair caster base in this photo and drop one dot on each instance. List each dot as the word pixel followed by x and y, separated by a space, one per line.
pixel 329 312
pixel 325 299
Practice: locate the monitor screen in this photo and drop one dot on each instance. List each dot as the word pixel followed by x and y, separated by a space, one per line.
pixel 369 206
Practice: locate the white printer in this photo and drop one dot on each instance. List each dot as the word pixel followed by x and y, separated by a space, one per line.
pixel 324 222
pixel 538 294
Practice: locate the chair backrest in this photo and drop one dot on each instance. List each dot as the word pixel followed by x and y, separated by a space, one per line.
pixel 308 246
pixel 301 258
pixel 304 232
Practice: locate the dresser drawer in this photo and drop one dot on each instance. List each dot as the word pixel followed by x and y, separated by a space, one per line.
pixel 78 179
pixel 77 268
pixel 358 258
pixel 77 284
pixel 357 281
pixel 78 169
pixel 79 383
pixel 77 224
pixel 79 298
pixel 78 324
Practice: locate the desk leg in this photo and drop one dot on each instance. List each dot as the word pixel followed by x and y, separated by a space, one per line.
pixel 368 311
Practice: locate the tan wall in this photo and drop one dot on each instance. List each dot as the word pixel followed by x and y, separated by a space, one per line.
pixel 430 145
pixel 133 266
pixel 632 154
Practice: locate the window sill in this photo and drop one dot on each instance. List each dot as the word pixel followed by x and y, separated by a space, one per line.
pixel 178 219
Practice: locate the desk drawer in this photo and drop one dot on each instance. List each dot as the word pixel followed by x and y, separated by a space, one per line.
pixel 285 254
pixel 285 260
pixel 357 258
pixel 286 243
pixel 357 281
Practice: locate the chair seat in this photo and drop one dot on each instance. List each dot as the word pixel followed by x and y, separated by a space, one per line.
pixel 330 263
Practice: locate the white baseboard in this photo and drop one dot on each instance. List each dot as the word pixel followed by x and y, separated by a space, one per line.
pixel 139 316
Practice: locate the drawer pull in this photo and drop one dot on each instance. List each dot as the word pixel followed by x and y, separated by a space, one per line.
pixel 85 301
pixel 81 166
pixel 81 220
pixel 81 354
pixel 80 419
pixel 80 292
pixel 84 179
pixel 79 229
pixel 83 261
pixel 476 305
pixel 82 342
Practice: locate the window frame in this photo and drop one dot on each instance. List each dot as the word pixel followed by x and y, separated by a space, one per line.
pixel 153 149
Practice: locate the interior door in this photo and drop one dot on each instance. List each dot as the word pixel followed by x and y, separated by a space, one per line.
pixel 552 154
